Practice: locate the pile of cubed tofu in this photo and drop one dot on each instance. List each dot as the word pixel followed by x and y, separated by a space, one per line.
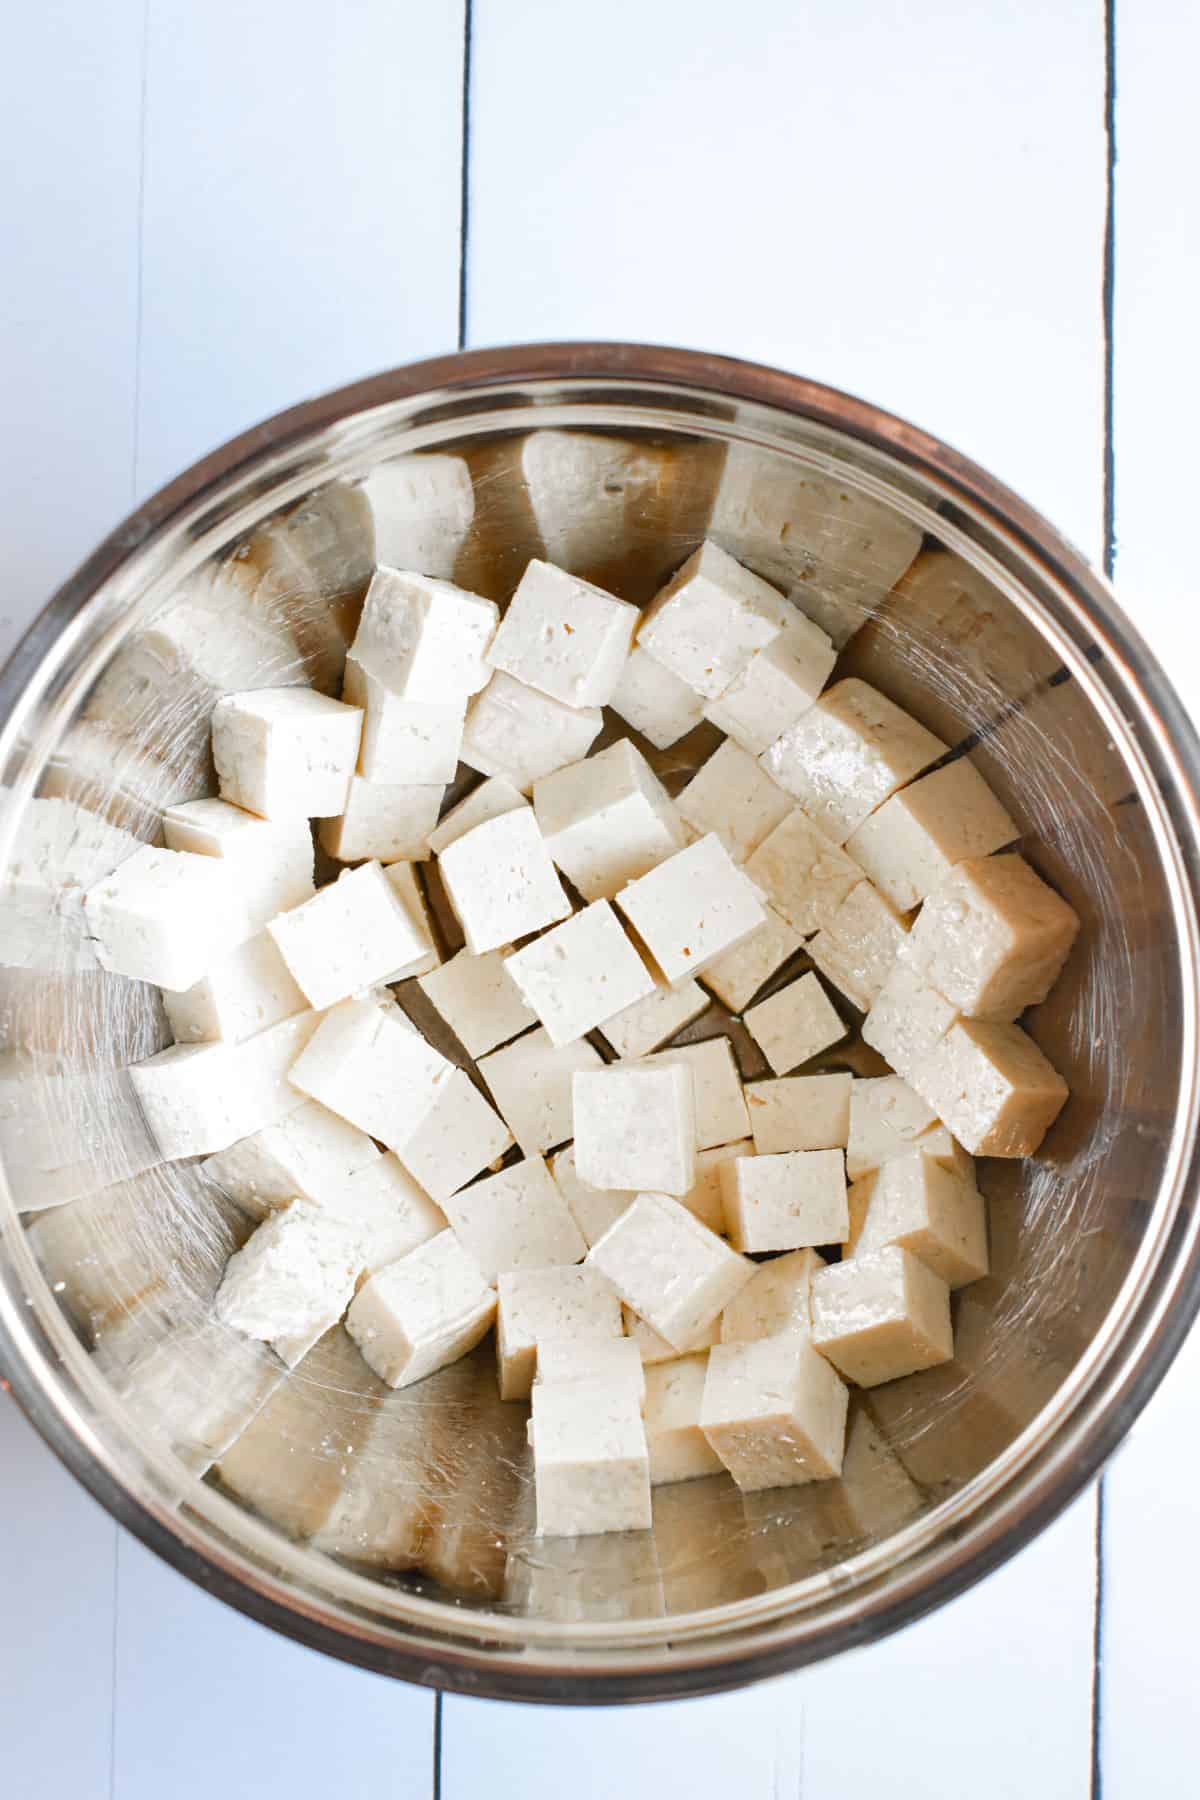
pixel 683 1270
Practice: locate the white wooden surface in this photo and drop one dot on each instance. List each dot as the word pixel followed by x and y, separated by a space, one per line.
pixel 220 208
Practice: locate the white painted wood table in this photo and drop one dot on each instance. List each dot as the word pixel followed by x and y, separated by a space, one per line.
pixel 211 209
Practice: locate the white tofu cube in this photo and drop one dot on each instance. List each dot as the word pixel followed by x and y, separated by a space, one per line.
pixel 733 797
pixel 803 875
pixel 607 1359
pixel 795 1024
pixel 907 1018
pixel 737 976
pixel 848 754
pixel 655 702
pixel 993 937
pixel 416 1315
pixel 776 687
pixel 285 752
pixel 774 1412
pixel 564 637
pixel 201 1098
pixel 516 1220
pixel 801 1112
pixel 382 822
pixel 721 1116
pixel 916 1202
pixel 709 621
pixel 292 1282
pixel 790 1200
pixel 914 840
pixel 487 801
pixel 704 1199
pixel 776 1300
pixel 530 1081
pixel 652 1348
pixel 353 933
pixel 310 1155
pixel 607 820
pixel 878 1317
pixel 422 506
pixel 591 1469
pixel 675 1274
pixel 533 1304
pixel 479 1000
pixel 164 916
pixel 593 1209
pixel 515 732
pixel 405 884
pixel 992 1087
pixel 642 1027
pixel 249 989
pixel 404 742
pixel 635 1127
pixel 59 851
pixel 424 638
pixel 270 861
pixel 390 1213
pixel 886 1115
pixel 858 948
pixel 581 972
pixel 679 1450
pixel 692 908
pixel 367 1064
pixel 459 1136
pixel 501 882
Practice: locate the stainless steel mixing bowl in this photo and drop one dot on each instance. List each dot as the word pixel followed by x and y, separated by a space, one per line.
pixel 393 1530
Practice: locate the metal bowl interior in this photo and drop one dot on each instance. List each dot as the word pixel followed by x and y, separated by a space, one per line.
pixel 395 1529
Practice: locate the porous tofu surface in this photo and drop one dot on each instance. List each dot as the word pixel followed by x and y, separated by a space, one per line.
pixel 635 1125
pixel 353 933
pixel 795 1024
pixel 491 798
pixel 564 636
pixel 721 1116
pixel 271 860
pixel 530 1081
pixel 479 999
pixel 675 1274
pixel 653 1348
pixel 249 989
pixel 992 1087
pixel 607 820
pixel 387 1208
pixel 709 621
pixel 411 741
pixel 591 1467
pixel 993 937
pixel 367 1064
pixel 201 1098
pixel 517 1219
pixel 679 1450
pixel 562 1303
pixel 517 733
pixel 691 908
pixel 460 1136
pixel 800 1112
pixel 422 1312
pixel 586 1357
pixel 292 1281
pixel 422 506
pixel 424 638
pixel 857 949
pixel 907 1018
pixel 878 1317
pixel 886 1116
pixel 285 752
pixel 580 973
pixel 914 840
pixel 593 1209
pixel 774 1412
pixel 311 1154
pixel 918 1203
pixel 165 916
pixel 776 1299
pixel 704 1199
pixel 386 820
pixel 735 798
pixel 802 873
pixel 654 701
pixel 785 1201
pixel 777 685
pixel 737 976
pixel 501 881
pixel 650 1022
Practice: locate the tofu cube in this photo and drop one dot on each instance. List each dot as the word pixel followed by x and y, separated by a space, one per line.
pixel 405 884
pixel 709 621
pixel 801 1112
pixel 774 1412
pixel 404 742
pixel 416 1315
pixel 424 638
pixel 310 1155
pixel 655 702
pixel 858 948
pixel 721 1116
pixel 776 1299
pixel 737 976
pixel 593 1209
pixel 675 1274
pixel 803 875
pixel 382 822
pixel 652 1348
pixel 367 1064
pixel 501 882
pixel 786 1201
pixel 907 1018
pixel 663 1014
pixel 564 637
pixel 679 1450
pixel 581 972
pixel 635 1127
pixel 515 1220
pixel 886 1116
pixel 571 1304
pixel 914 840
pixel 776 687
pixel 704 1199
pixel 607 820
pixel 249 989
pixel 487 801
pixel 992 1087
pixel 459 1136
pixel 691 908
pixel 422 506
pixel 352 934
pixel 285 753
pixel 882 1316
pixel 479 1000
pixel 733 797
pixel 390 1213
pixel 795 1024
pixel 608 1359
pixel 591 1468
pixel 993 937
pixel 848 754
pixel 916 1202
pixel 515 732
pixel 165 916
pixel 201 1098
pixel 270 860
pixel 530 1081
pixel 292 1281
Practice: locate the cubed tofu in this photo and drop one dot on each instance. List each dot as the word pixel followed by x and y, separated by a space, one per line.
pixel 530 1081
pixel 383 822
pixel 638 1029
pixel 404 742
pixel 165 916
pixel 424 638
pixel 367 1064
pixel 635 1127
pixel 459 1136
pixel 491 798
pixel 733 797
pixel 907 1018
pixel 201 1098
pixel 679 1450
pixel 737 976
pixel 653 1348
pixel 405 884
pixel 292 1282
pixel 675 1274
pixel 573 1304
pixel 270 860
pixel 655 702
pixel 581 972
pixel 774 1412
pixel 776 1299
pixel 721 1116
pixel 993 937
pixel 786 1201
pixel 608 820
pixel 285 752
pixel 564 636
pixel 310 1155
pixel 390 1213
pixel 803 875
pixel 692 908
pixel 848 754
pixel 565 1359
pixel 515 732
pixel 422 506
pixel 249 989
pixel 709 621
pixel 882 1316
pixel 416 1315
pixel 858 948
pixel 916 1202
pixel 591 1468
pixel 801 1112
pixel 795 1024
pixel 776 687
pixel 501 882
pixel 886 1115
pixel 517 1219
pixel 992 1087
pixel 704 1199
pixel 352 934
pixel 478 999
pixel 593 1209
pixel 914 840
